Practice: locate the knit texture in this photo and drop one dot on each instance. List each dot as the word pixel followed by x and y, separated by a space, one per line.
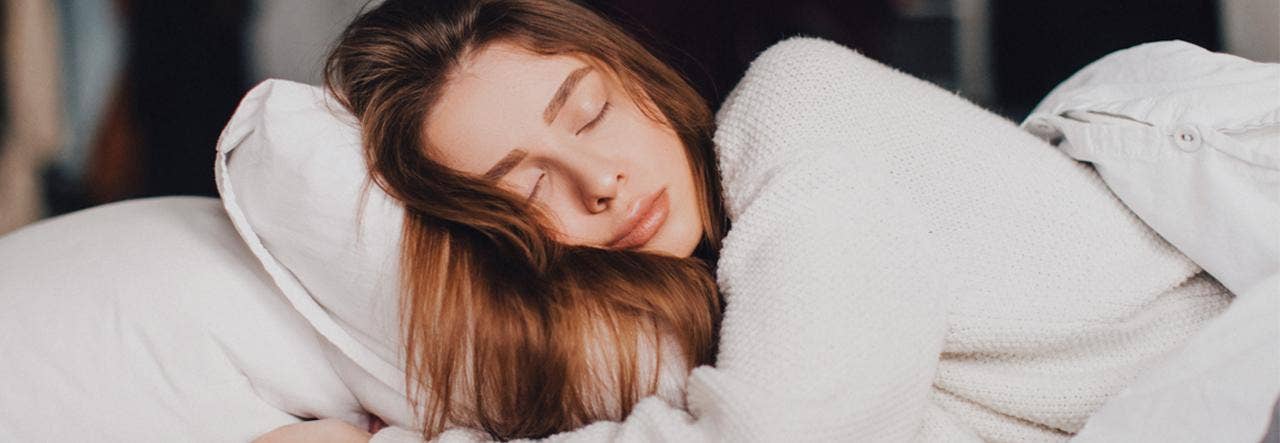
pixel 904 265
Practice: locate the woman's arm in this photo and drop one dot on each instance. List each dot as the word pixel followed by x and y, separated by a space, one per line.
pixel 330 430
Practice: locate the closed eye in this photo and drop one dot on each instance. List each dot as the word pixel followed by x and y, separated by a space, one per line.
pixel 536 185
pixel 603 110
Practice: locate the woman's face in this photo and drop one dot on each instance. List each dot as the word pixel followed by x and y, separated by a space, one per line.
pixel 568 137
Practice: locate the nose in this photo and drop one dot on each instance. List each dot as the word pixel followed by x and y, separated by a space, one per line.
pixel 599 180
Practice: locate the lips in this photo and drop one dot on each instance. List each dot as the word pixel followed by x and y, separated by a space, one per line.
pixel 643 220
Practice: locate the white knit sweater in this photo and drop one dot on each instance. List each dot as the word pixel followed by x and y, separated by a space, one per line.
pixel 906 266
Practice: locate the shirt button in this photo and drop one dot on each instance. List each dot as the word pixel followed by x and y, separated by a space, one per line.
pixel 1187 137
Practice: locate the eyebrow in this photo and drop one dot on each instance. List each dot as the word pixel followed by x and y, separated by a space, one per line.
pixel 562 94
pixel 513 158
pixel 502 167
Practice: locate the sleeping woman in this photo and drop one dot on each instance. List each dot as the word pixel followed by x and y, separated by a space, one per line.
pixel 901 264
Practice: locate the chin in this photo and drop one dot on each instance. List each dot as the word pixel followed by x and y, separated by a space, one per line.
pixel 679 237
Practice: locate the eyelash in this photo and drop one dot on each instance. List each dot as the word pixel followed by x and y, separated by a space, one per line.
pixel 536 185
pixel 603 110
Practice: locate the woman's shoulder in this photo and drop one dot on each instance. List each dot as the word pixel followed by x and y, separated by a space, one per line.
pixel 802 67
pixel 793 94
pixel 797 86
pixel 799 55
pixel 788 74
pixel 800 49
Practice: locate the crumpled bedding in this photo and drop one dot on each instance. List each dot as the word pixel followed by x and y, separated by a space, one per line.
pixel 1188 140
pixel 1221 387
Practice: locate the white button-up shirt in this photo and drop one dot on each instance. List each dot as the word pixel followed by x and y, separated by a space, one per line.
pixel 1190 141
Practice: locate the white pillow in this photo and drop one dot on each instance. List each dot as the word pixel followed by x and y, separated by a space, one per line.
pixel 293 180
pixel 149 320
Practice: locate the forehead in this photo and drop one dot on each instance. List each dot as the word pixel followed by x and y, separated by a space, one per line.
pixel 493 100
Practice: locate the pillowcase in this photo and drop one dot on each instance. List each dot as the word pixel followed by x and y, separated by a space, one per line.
pixel 293 180
pixel 149 320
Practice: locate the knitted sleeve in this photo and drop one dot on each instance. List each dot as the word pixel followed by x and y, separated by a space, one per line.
pixel 834 318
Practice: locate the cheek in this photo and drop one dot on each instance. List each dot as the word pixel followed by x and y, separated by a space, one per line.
pixel 570 225
pixel 573 230
pixel 652 147
pixel 670 166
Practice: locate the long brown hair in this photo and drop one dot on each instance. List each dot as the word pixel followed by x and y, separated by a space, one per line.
pixel 501 323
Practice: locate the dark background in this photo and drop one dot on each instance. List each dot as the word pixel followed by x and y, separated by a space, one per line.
pixel 185 65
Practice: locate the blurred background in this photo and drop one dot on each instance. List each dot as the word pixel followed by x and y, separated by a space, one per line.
pixel 105 100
